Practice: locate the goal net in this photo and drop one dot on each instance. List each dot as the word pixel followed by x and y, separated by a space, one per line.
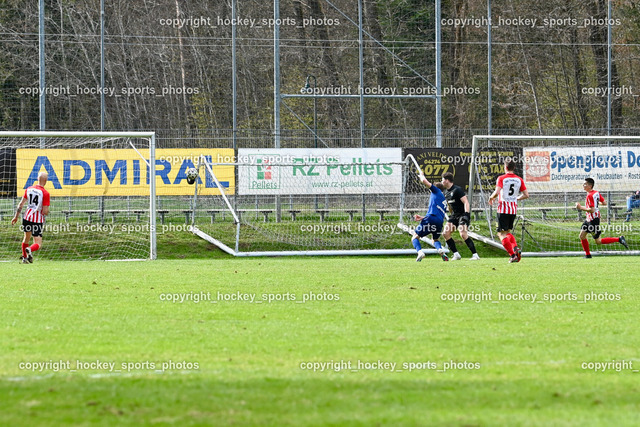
pixel 102 198
pixel 316 202
pixel 554 169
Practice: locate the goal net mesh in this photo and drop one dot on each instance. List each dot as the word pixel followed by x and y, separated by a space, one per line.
pixel 99 191
pixel 312 206
pixel 554 171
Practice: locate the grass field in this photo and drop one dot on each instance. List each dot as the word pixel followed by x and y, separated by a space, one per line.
pixel 248 363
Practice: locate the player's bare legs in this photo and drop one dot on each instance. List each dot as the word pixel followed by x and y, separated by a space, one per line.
pixel 449 228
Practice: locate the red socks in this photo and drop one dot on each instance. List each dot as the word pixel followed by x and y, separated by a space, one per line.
pixel 506 242
pixel 509 243
pixel 604 241
pixel 33 248
pixel 608 240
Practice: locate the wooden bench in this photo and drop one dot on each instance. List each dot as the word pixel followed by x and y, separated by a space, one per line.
pixel 352 212
pixel 544 213
pixel 162 213
pixel 293 213
pixel 322 213
pixel 214 212
pixel 187 215
pixel 89 213
pixel 113 213
pixel 264 212
pixel 139 214
pixel 616 209
pixel 476 213
pixel 381 212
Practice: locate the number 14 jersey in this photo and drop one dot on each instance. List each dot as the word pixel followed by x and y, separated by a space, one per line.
pixel 37 197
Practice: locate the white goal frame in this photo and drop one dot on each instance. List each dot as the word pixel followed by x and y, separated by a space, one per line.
pixel 151 136
pixel 408 162
pixel 473 174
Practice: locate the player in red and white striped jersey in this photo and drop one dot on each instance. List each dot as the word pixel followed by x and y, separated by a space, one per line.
pixel 510 188
pixel 592 224
pixel 38 200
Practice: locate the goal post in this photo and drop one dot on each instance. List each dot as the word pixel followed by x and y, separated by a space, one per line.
pixel 299 203
pixel 554 169
pixel 103 196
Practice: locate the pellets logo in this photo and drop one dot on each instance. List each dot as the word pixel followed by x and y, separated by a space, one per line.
pixel 265 174
pixel 264 169
pixel 537 166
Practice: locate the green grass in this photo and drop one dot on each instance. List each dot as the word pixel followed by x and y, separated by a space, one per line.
pixel 249 355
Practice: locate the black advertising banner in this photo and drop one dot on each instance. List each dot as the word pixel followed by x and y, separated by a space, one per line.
pixel 435 161
pixel 7 173
pixel 490 164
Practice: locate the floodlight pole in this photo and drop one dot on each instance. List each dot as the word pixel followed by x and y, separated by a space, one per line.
pixel 234 71
pixel 102 65
pixel 609 94
pixel 609 67
pixel 42 99
pixel 438 76
pixel 489 72
pixel 101 200
pixel 361 69
pixel 277 98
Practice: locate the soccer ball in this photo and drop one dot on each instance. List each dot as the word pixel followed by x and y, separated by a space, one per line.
pixel 192 175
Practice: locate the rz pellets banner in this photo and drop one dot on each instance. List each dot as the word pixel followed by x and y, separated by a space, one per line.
pixel 490 165
pixel 560 169
pixel 319 171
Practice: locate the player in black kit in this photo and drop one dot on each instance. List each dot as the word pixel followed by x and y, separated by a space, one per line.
pixel 459 216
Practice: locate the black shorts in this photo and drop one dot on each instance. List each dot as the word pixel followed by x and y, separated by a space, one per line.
pixel 592 227
pixel 460 219
pixel 505 221
pixel 35 228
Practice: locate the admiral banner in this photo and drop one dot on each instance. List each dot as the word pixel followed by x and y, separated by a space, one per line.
pixel 96 172
pixel 320 171
pixel 7 172
pixel 560 169
pixel 490 164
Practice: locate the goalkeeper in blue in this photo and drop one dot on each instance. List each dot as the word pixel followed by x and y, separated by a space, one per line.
pixel 432 222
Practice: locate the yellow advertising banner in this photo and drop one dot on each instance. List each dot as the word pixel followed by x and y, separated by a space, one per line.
pixel 122 172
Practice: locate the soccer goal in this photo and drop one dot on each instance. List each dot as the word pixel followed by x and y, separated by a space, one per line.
pixel 554 169
pixel 310 202
pixel 103 202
